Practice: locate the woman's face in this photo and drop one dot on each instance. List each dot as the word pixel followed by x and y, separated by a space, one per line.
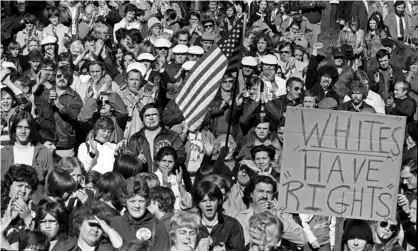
pixel 386 229
pixel 103 135
pixel 166 164
pixel 263 6
pixel 90 232
pixel 414 67
pixel 49 226
pixel 148 64
pixel 229 12
pixel 6 102
pixel 128 59
pixel 23 132
pixel 14 52
pixel 261 45
pixel 262 131
pixel 136 206
pixel 299 55
pixel 185 238
pixel 127 42
pixel 356 244
pixel 33 45
pixel 262 161
pixel 372 24
pixel 130 15
pixel 119 55
pixel 21 190
pixel 29 26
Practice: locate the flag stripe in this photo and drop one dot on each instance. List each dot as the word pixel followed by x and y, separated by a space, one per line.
pixel 200 89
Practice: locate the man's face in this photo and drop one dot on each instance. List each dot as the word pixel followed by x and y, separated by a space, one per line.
pixel 262 130
pixel 247 71
pixel 386 231
pixel 104 35
pixel 162 51
pixel 207 44
pixel 413 211
pixel 325 82
pixel 180 58
pixel 21 86
pixel 208 27
pixel 213 5
pixel 384 62
pixel 48 71
pixel 280 134
pixel 134 81
pixel 151 118
pixel 262 192
pixel 408 179
pixel 21 7
pixel 23 132
pixel 194 57
pixel 309 102
pixel 295 90
pixel 183 39
pixel 338 61
pixel 33 45
pixel 400 9
pixel 106 108
pixel 34 64
pixel 127 42
pixel 299 55
pixel 227 84
pixel 208 207
pixel 61 80
pixel 399 91
pixel 356 97
pixel 96 72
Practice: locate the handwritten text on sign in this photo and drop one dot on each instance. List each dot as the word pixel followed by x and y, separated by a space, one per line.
pixel 341 163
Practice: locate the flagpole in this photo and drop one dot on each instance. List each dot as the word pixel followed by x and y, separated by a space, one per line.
pixel 234 89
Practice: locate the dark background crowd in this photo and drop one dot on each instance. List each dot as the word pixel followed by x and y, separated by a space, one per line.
pixel 97 155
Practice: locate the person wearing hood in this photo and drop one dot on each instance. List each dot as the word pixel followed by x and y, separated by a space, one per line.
pixel 137 222
pixel 357 236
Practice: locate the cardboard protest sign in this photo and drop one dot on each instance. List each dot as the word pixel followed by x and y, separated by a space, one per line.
pixel 343 164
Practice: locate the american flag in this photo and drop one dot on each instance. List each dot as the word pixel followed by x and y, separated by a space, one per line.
pixel 230 45
pixel 204 79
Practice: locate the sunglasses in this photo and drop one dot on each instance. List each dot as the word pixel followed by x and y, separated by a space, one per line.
pixel 392 228
pixel 94 224
pixel 60 76
pixel 297 88
pixel 208 26
pixel 339 57
pixel 162 48
pixel 284 52
pixel 106 102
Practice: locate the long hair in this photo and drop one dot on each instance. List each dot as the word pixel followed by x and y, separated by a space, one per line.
pixel 208 188
pixel 33 135
pixel 58 183
pixel 56 210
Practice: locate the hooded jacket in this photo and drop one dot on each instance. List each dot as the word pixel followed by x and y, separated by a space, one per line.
pixel 128 227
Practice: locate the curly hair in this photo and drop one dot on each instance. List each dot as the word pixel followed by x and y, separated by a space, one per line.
pixel 357 86
pixel 249 189
pixel 183 219
pixel 328 71
pixel 20 173
pixel 135 187
pixel 266 38
pixel 262 148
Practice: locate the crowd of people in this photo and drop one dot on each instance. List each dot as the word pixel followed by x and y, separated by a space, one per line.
pixel 97 155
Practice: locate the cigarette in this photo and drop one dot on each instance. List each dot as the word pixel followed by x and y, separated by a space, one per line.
pixel 190 245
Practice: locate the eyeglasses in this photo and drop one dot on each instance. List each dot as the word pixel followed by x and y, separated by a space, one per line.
pixel 148 116
pixel 284 52
pixel 339 57
pixel 392 228
pixel 59 76
pixel 297 88
pixel 208 26
pixel 48 222
pixel 106 102
pixel 162 48
pixel 94 224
